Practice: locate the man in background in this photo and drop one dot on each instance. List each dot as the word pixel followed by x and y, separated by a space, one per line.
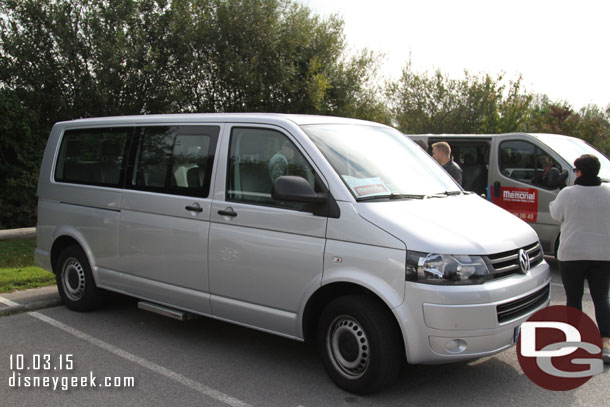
pixel 441 152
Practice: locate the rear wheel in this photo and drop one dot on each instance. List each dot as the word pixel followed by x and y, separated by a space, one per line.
pixel 360 344
pixel 75 282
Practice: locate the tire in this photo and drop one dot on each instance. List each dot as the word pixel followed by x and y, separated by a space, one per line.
pixel 360 344
pixel 75 282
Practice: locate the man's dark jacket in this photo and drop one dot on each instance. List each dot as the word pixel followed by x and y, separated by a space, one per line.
pixel 454 170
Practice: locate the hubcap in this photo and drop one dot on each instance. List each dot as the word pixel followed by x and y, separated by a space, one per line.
pixel 348 347
pixel 73 279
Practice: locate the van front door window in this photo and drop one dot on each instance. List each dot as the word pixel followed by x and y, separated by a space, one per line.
pixel 524 162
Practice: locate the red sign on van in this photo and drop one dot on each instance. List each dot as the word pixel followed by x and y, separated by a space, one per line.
pixel 521 202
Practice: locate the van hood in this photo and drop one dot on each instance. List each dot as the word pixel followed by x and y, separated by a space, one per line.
pixel 464 224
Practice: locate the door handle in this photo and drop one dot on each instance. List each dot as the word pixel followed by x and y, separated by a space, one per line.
pixel 497 189
pixel 194 208
pixel 227 212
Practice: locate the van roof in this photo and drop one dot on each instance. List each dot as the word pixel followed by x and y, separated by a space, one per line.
pixel 276 118
pixel 541 136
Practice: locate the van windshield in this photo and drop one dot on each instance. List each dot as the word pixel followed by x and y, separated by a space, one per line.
pixel 380 163
pixel 572 148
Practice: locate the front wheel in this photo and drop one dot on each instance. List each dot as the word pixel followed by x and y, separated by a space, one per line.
pixel 360 345
pixel 75 282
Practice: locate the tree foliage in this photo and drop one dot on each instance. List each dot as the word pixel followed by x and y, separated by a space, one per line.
pixel 434 103
pixel 66 59
pixel 20 157
pixel 590 123
pixel 109 57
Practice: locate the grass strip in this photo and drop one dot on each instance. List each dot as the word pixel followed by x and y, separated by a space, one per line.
pixel 22 278
pixel 17 253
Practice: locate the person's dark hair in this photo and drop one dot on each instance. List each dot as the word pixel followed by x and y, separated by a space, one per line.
pixel 587 164
pixel 422 144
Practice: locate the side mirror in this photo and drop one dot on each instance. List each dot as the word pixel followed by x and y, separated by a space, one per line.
pixel 296 189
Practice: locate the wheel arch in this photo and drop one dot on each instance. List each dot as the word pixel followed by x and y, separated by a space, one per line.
pixel 329 292
pixel 63 241
pixel 555 247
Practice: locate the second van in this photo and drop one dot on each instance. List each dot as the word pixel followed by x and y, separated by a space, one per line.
pixel 520 172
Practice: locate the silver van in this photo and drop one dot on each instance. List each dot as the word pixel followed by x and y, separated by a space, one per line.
pixel 338 231
pixel 520 172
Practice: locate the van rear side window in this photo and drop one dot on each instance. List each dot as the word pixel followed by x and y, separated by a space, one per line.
pixel 174 160
pixel 92 156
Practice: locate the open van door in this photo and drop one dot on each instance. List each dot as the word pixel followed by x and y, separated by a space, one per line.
pixel 525 176
pixel 471 153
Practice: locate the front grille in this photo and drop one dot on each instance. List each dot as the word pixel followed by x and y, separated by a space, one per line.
pixel 507 263
pixel 522 306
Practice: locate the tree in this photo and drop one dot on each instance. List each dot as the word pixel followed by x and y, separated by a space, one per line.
pixel 434 103
pixel 20 157
pixel 591 123
pixel 594 127
pixel 66 59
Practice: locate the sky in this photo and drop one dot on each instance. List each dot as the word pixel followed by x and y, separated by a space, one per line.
pixel 561 48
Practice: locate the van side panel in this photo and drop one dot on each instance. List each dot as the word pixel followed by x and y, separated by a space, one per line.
pixel 90 215
pixel 162 241
pixel 164 226
pixel 162 293
pixel 353 227
pixel 87 213
pixel 360 264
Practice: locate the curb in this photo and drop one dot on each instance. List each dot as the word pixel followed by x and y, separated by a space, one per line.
pixel 34 306
pixel 29 300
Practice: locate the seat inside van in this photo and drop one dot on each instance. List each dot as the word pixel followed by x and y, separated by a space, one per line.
pixel 474 175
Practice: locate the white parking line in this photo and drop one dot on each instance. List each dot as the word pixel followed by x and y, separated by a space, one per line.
pixel 192 384
pixel 8 302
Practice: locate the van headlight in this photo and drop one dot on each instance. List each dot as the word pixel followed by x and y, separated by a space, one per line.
pixel 434 268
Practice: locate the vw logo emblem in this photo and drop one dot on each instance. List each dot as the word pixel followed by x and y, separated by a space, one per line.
pixel 524 261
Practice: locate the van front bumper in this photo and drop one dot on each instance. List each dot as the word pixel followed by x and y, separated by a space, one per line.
pixel 443 324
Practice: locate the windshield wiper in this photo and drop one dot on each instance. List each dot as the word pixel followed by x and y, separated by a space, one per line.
pixel 409 196
pixel 391 197
pixel 445 194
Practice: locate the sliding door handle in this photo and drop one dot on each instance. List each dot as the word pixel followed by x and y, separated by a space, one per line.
pixel 227 212
pixel 194 208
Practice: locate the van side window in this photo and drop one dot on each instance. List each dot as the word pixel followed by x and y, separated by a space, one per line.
pixel 174 160
pixel 523 161
pixel 92 156
pixel 257 157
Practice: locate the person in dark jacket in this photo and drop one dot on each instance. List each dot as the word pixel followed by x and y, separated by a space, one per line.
pixel 441 152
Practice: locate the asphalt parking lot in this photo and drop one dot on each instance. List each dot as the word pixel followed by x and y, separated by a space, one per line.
pixel 123 356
